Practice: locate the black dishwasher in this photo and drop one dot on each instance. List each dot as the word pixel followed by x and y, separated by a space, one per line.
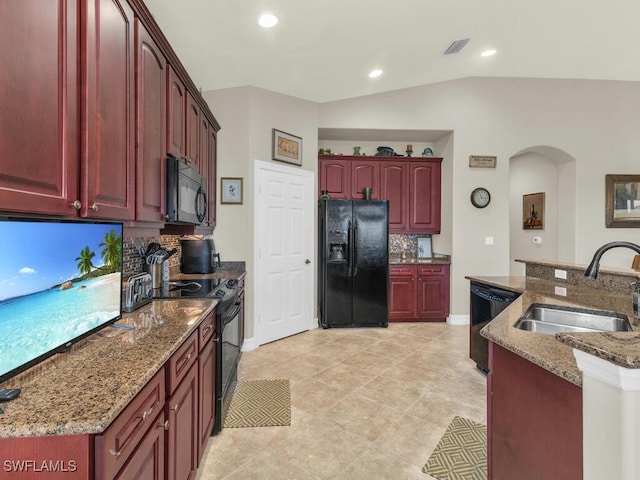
pixel 486 303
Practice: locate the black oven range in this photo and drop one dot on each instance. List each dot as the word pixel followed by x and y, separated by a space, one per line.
pixel 228 331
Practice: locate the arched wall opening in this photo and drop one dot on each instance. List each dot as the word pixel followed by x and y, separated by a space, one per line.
pixel 548 170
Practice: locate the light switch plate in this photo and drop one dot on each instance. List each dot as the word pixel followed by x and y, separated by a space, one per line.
pixel 560 274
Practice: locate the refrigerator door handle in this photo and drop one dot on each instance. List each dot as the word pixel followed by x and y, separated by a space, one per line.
pixel 349 248
pixel 355 249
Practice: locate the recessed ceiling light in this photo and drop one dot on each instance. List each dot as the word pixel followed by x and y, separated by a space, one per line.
pixel 488 53
pixel 268 20
pixel 375 73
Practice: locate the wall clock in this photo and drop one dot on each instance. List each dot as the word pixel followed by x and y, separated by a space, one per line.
pixel 480 197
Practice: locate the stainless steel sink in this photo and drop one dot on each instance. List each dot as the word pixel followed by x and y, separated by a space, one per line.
pixel 552 319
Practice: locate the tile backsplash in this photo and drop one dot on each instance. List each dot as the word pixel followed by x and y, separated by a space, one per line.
pixel 132 263
pixel 407 243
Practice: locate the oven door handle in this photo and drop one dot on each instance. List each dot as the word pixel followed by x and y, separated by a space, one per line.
pixel 231 313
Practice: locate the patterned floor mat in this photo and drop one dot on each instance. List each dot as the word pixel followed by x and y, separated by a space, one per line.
pixel 461 453
pixel 260 403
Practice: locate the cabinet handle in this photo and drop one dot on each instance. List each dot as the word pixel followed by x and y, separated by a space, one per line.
pixel 166 217
pixel 114 453
pixel 94 207
pixel 76 204
pixel 164 425
pixel 189 356
pixel 147 413
pixel 175 409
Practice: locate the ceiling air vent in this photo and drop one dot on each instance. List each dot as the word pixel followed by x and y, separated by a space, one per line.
pixel 456 46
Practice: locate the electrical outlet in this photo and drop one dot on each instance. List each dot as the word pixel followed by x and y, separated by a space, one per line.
pixel 560 291
pixel 561 274
pixel 488 240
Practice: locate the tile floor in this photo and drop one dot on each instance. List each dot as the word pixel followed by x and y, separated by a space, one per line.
pixel 366 403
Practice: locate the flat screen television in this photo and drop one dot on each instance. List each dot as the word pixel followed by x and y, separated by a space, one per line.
pixel 60 281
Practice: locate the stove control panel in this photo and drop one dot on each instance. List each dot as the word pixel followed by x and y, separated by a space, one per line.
pixel 139 292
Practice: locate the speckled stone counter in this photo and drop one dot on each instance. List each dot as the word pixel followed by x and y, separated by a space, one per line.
pixel 437 259
pixel 555 354
pixel 84 390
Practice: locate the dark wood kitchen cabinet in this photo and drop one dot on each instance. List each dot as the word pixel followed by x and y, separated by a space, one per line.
pixel 335 177
pixel 418 292
pixel 412 186
pixel 40 61
pixel 402 292
pixel 135 436
pixel 182 434
pixel 206 391
pixel 183 123
pixel 365 173
pixel 151 136
pixel 193 151
pixel 424 196
pixel 394 186
pixel 433 292
pixel 534 421
pixel 177 115
pixel 107 151
pixel 86 78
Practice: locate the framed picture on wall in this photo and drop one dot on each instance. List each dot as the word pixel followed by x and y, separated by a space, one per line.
pixel 231 190
pixel 533 211
pixel 622 201
pixel 287 148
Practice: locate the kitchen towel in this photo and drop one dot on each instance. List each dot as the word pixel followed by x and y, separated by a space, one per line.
pixel 461 453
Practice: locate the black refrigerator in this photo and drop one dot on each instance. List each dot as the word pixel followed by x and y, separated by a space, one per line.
pixel 353 263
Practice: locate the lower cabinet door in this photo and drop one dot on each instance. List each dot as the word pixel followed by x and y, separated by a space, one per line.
pixel 207 377
pixel 182 432
pixel 147 462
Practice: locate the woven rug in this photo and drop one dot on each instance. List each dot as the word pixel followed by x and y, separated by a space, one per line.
pixel 461 453
pixel 260 403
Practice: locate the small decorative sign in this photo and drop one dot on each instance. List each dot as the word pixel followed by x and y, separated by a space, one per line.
pixel 482 161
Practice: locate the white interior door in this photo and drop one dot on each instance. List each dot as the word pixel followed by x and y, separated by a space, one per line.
pixel 284 260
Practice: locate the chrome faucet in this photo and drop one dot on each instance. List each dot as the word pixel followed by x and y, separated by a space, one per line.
pixel 592 269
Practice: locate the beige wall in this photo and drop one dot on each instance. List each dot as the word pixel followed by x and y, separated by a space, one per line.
pixel 247 116
pixel 593 122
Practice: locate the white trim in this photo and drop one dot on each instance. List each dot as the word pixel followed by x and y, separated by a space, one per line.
pixel 458 320
pixel 626 379
pixel 249 344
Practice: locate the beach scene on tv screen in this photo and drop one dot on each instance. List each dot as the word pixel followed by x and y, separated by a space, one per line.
pixel 58 281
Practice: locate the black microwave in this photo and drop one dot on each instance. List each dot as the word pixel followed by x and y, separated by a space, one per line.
pixel 186 193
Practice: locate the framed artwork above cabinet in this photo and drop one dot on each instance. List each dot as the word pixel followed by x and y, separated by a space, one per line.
pixel 411 185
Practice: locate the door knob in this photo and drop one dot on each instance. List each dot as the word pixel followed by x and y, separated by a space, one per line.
pixel 307 261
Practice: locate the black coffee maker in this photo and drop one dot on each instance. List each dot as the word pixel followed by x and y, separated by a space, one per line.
pixel 199 256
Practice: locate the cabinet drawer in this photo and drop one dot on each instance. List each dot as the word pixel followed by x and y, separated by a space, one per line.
pixel 179 363
pixel 424 271
pixel 403 270
pixel 206 330
pixel 121 438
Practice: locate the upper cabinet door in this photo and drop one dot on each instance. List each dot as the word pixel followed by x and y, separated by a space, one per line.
pixel 176 140
pixel 335 177
pixel 424 196
pixel 365 173
pixel 193 134
pixel 107 156
pixel 151 134
pixel 394 187
pixel 39 102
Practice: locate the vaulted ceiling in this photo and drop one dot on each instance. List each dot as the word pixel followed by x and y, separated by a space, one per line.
pixel 323 50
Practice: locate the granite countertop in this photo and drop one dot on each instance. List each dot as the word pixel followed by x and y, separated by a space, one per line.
pixel 84 390
pixel 555 353
pixel 411 259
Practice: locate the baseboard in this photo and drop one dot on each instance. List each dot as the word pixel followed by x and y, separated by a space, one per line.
pixel 458 320
pixel 249 344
